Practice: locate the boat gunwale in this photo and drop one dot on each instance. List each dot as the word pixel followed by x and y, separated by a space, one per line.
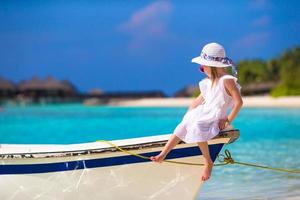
pixel 232 134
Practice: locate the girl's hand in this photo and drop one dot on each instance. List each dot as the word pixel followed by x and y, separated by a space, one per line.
pixel 223 123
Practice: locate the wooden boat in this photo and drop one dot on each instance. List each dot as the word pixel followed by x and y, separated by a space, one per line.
pixel 97 170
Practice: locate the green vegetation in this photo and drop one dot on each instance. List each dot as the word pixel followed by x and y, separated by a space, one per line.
pixel 284 71
pixel 289 74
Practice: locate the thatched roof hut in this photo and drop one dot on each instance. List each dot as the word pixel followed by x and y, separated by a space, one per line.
pixel 47 87
pixel 7 85
pixel 69 86
pixel 7 88
pixel 65 86
pixel 95 92
pixel 34 84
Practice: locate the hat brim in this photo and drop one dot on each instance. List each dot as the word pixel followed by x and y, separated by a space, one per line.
pixel 199 60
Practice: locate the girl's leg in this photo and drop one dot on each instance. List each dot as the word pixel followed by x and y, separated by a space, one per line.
pixel 173 141
pixel 208 163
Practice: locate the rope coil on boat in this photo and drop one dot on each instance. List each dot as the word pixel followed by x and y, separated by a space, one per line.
pixel 223 159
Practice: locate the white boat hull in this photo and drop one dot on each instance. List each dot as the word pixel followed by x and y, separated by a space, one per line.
pixel 65 173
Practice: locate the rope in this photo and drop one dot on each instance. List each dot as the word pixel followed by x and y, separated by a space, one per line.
pixel 148 158
pixel 227 159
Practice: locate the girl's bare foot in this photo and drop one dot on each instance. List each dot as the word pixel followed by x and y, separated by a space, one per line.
pixel 159 158
pixel 207 171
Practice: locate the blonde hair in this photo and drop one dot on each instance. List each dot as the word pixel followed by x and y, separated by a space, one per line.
pixel 214 75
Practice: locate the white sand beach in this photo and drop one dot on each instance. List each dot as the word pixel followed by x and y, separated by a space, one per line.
pixel 249 101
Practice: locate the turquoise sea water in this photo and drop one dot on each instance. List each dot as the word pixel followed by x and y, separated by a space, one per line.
pixel 269 136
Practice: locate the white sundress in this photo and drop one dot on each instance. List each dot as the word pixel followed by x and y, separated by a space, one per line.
pixel 201 123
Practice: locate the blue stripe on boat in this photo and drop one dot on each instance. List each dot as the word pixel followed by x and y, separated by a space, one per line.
pixel 103 162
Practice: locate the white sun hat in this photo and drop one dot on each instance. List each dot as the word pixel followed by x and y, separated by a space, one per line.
pixel 213 55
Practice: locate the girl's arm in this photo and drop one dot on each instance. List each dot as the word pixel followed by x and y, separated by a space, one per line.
pixel 233 91
pixel 199 100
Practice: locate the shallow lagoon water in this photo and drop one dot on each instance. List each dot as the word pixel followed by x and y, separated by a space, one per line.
pixel 269 136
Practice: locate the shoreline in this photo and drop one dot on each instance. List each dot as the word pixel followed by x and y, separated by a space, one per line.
pixel 249 101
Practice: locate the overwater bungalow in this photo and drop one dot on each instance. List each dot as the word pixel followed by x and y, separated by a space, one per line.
pixel 95 92
pixel 7 88
pixel 49 88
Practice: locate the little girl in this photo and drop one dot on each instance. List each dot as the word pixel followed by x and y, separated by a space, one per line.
pixel 207 114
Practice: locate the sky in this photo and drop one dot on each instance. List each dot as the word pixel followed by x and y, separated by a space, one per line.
pixel 137 45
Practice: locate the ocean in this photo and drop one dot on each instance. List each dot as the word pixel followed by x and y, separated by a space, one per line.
pixel 269 136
